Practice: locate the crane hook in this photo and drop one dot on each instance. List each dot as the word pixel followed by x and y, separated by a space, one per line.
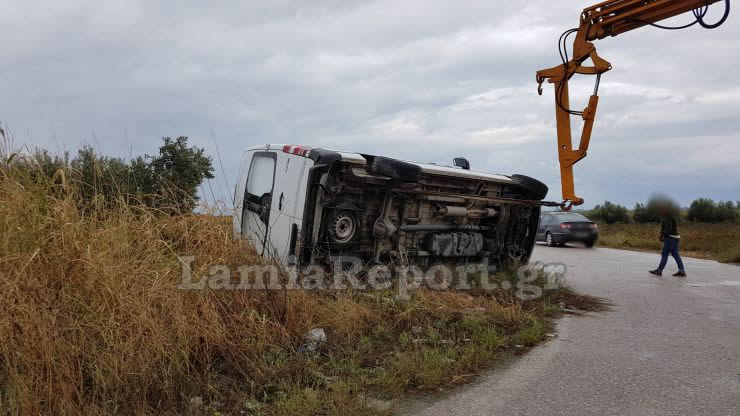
pixel 566 205
pixel 540 80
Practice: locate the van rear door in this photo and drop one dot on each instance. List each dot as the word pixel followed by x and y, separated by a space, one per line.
pixel 287 204
pixel 258 199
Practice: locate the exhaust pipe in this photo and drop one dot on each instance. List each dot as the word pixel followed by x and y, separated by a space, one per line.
pixel 453 211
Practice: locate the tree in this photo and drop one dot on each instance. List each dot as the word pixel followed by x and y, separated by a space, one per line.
pixel 706 210
pixel 99 177
pixel 48 165
pixel 178 171
pixel 609 213
pixel 645 214
pixel 701 210
pixel 726 211
pixel 140 176
pixel 168 181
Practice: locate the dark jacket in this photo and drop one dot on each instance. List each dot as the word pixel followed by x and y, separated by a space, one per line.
pixel 669 226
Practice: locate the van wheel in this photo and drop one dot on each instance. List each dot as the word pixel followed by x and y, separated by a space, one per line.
pixel 394 169
pixel 535 189
pixel 343 227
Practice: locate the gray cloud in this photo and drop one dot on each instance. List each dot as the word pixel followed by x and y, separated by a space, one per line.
pixel 421 80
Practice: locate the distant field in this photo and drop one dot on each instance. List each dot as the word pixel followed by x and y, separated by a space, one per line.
pixel 719 242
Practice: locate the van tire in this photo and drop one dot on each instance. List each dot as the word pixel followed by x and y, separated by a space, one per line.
pixel 534 188
pixel 394 169
pixel 343 226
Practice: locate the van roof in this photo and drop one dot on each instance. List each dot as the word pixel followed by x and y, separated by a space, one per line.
pixel 353 157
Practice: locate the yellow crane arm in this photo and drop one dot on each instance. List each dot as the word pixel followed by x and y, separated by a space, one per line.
pixel 609 18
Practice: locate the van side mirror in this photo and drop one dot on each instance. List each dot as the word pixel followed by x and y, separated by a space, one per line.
pixel 461 162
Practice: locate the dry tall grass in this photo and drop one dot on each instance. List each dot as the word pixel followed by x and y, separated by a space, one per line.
pixel 91 321
pixel 719 242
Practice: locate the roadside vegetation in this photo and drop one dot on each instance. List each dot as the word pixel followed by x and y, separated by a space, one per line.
pixel 168 181
pixel 719 242
pixel 709 229
pixel 93 323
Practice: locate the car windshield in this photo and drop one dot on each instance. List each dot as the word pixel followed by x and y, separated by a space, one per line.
pixel 570 217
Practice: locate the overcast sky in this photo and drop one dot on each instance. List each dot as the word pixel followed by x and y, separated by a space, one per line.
pixel 421 80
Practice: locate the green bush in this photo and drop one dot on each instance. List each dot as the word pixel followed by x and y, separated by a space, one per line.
pixel 645 214
pixel 727 211
pixel 707 210
pixel 168 181
pixel 609 213
pixel 177 172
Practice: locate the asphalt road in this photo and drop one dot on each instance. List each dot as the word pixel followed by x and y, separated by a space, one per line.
pixel 670 346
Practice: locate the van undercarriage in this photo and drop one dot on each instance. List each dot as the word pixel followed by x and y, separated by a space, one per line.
pixel 371 215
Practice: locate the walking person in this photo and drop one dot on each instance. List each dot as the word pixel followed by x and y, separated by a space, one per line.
pixel 671 238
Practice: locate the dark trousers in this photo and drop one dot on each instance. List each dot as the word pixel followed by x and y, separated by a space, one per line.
pixel 670 246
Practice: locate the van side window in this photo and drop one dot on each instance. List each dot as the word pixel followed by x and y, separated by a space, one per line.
pixel 260 181
pixel 261 175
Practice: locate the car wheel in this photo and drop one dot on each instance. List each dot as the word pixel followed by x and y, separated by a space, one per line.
pixel 548 240
pixel 394 169
pixel 590 244
pixel 535 189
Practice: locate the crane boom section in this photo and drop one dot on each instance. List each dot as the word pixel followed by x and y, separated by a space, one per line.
pixel 611 18
pixel 608 18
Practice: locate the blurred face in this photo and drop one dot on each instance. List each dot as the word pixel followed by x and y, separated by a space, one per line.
pixel 664 209
pixel 662 205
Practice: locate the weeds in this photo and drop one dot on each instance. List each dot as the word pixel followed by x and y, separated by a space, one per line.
pixel 92 322
pixel 719 242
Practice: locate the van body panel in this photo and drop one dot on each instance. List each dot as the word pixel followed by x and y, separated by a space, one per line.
pixel 287 203
pixel 324 203
pixel 435 169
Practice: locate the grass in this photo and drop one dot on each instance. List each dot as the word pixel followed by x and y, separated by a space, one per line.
pixel 719 242
pixel 92 321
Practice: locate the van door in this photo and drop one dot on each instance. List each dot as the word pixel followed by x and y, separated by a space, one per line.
pixel 239 188
pixel 286 213
pixel 258 196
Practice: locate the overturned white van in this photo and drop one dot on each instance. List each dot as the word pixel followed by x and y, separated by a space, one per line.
pixel 301 205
